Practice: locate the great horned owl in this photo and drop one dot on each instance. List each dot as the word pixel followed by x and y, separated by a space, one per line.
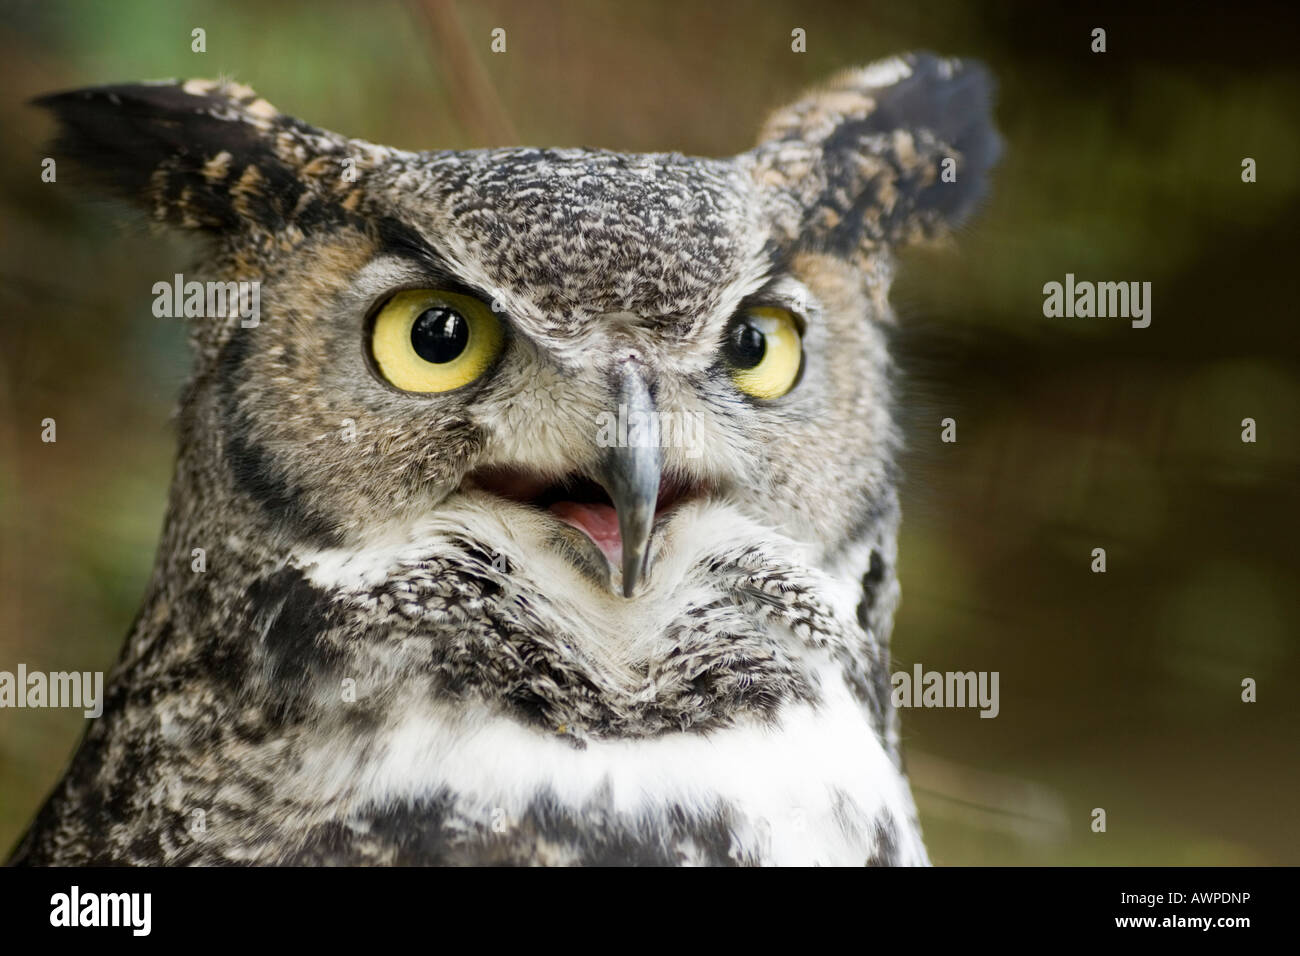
pixel 451 608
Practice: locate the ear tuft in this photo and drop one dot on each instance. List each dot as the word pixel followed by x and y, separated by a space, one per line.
pixel 199 154
pixel 889 153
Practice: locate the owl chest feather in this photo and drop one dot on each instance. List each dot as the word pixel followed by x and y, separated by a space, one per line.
pixel 543 760
pixel 520 731
pixel 812 786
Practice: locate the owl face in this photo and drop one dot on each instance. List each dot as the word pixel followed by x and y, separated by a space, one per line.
pixel 604 309
pixel 590 356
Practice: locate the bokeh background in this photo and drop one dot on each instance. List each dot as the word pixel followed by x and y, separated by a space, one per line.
pixel 1119 690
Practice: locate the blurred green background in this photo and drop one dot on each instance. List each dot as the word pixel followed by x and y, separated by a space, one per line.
pixel 1118 690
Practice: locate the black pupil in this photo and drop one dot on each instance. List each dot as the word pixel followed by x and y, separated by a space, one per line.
pixel 439 334
pixel 746 346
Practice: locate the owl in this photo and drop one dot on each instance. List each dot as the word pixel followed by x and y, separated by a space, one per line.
pixel 544 510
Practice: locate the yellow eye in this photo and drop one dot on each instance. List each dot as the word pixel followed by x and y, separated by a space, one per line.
pixel 427 340
pixel 764 351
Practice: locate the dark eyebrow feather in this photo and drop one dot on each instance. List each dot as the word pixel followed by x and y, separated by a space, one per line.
pixel 399 239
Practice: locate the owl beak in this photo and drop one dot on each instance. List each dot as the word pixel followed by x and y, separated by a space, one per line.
pixel 630 475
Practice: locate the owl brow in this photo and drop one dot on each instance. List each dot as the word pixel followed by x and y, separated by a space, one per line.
pixel 778 272
pixel 778 259
pixel 771 292
pixel 398 239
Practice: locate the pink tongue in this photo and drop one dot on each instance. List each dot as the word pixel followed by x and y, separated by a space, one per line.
pixel 597 522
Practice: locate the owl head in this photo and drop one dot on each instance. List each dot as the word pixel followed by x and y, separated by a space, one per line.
pixel 595 364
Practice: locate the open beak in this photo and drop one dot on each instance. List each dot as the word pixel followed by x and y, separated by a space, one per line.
pixel 616 499
pixel 630 474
